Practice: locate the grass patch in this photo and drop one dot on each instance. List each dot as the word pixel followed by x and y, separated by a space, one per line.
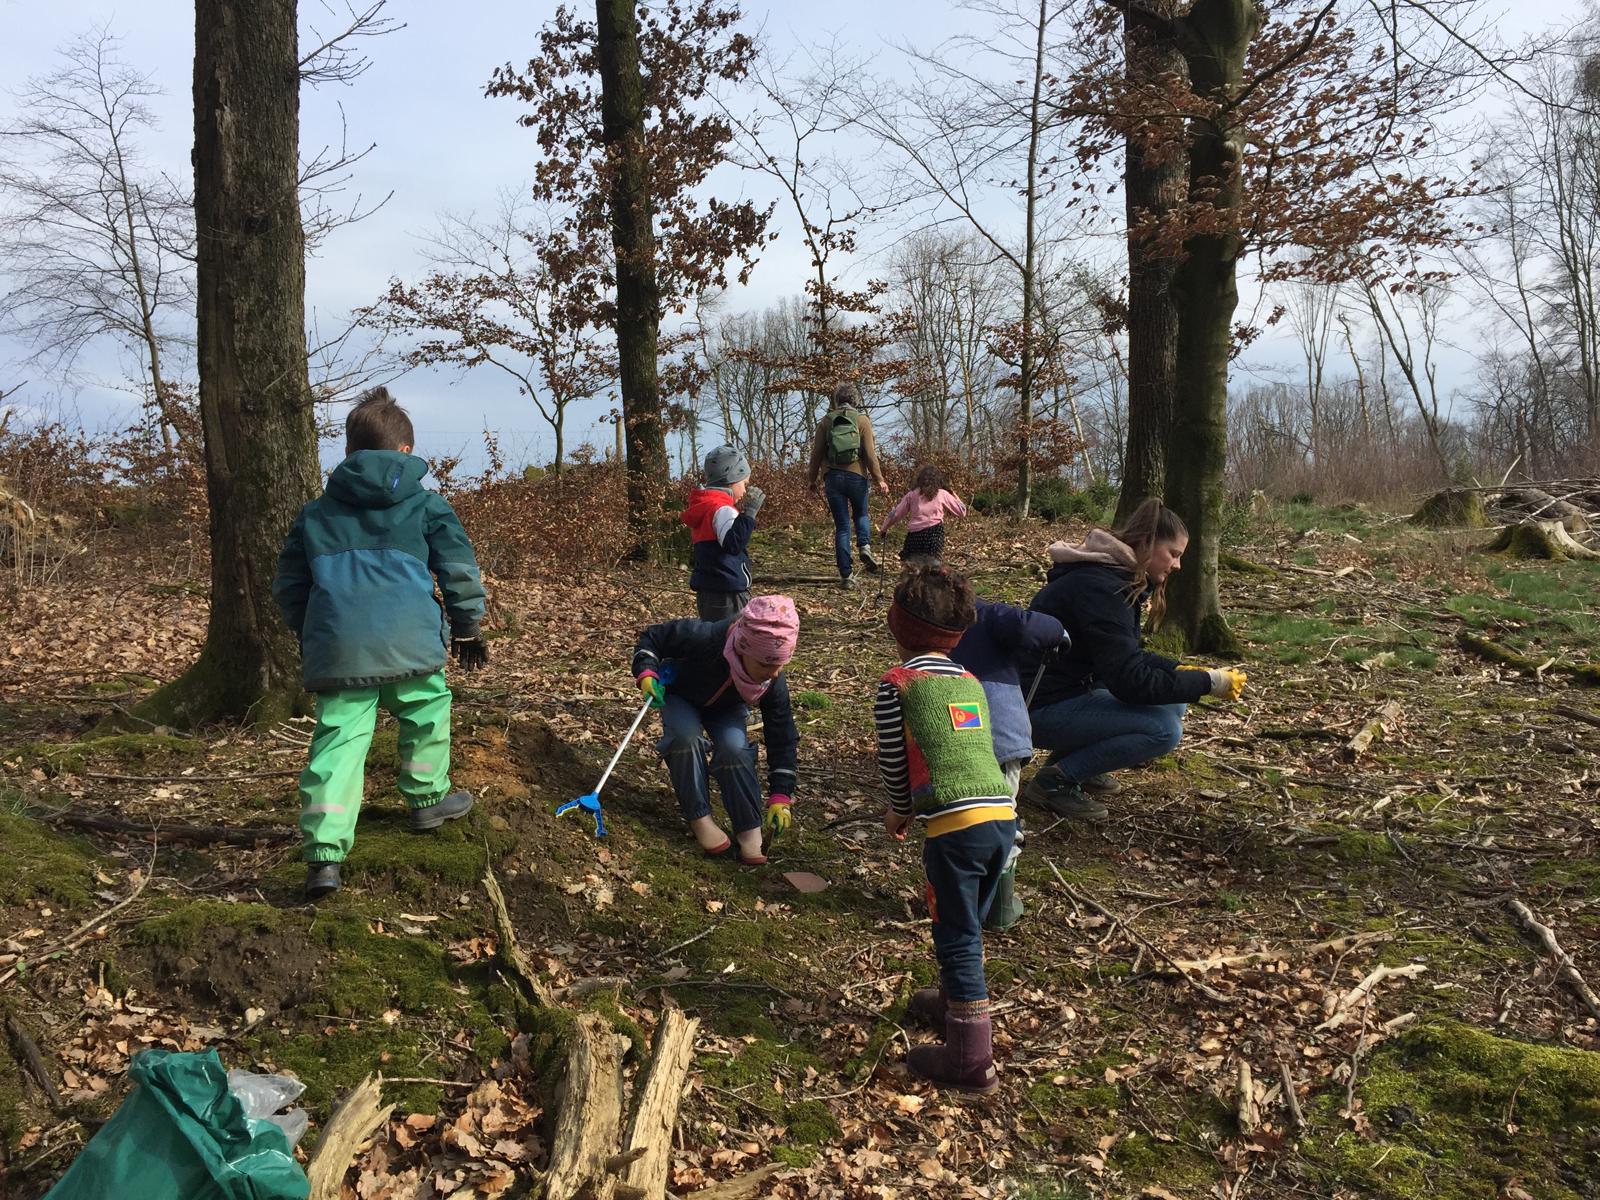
pixel 41 864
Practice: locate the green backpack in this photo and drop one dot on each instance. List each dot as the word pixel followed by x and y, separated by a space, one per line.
pixel 844 437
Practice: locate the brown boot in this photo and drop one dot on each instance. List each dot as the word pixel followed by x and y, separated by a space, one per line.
pixel 964 1060
pixel 928 1007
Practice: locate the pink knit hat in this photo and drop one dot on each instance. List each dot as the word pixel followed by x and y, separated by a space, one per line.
pixel 767 629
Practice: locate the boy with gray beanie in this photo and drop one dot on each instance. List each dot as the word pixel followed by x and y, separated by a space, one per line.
pixel 721 516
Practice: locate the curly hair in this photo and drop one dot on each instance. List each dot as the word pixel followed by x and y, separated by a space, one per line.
pixel 937 595
pixel 928 481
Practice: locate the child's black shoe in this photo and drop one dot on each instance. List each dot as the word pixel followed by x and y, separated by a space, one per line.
pixel 456 804
pixel 322 879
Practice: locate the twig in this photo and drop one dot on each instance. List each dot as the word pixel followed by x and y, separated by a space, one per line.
pixel 32 1062
pixel 1248 1121
pixel 1566 970
pixel 1137 938
pixel 1291 1100
pixel 82 932
pixel 707 932
pixel 446 1083
pixel 1340 1012
pixel 277 774
pixel 1576 714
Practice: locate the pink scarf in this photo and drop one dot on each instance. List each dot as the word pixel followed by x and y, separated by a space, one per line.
pixel 767 630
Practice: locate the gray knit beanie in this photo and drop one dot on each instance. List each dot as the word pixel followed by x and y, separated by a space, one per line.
pixel 725 466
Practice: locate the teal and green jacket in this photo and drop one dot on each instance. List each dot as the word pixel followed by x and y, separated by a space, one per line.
pixel 356 577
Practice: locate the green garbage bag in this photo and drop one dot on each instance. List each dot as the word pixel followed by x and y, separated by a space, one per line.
pixel 182 1135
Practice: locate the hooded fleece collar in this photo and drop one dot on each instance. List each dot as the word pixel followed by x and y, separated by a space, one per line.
pixel 1098 547
pixel 377 478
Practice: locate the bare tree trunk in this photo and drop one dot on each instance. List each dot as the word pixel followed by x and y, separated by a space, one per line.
pixel 1029 257
pixel 255 398
pixel 1216 36
pixel 1155 187
pixel 633 236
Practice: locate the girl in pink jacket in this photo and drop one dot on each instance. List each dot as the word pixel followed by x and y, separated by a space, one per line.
pixel 924 509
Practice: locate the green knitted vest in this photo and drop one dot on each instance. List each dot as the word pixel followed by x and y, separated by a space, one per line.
pixel 950 750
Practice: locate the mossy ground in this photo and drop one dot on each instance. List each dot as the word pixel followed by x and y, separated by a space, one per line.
pixel 1239 840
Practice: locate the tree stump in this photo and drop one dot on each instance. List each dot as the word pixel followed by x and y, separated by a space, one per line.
pixel 1541 539
pixel 1453 508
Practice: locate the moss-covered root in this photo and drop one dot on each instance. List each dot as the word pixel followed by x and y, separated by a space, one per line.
pixel 1453 508
pixel 1587 674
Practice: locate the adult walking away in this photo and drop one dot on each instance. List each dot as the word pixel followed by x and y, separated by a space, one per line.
pixel 844 443
pixel 705 676
pixel 1106 702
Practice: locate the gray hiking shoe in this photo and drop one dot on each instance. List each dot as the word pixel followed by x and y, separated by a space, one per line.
pixel 322 879
pixel 869 559
pixel 1103 783
pixel 456 804
pixel 1054 792
pixel 847 583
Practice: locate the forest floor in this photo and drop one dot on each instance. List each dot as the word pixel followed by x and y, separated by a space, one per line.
pixel 1280 867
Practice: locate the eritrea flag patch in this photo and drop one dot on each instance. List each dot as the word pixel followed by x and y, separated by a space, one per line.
pixel 966 716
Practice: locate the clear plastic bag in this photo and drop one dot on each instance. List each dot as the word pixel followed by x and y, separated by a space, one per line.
pixel 261 1096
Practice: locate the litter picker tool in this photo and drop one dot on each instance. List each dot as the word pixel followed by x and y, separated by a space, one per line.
pixel 590 801
pixel 1044 659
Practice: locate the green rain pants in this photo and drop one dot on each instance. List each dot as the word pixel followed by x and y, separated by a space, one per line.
pixel 330 786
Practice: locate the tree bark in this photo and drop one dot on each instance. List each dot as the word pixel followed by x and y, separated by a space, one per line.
pixel 1215 36
pixel 1156 180
pixel 633 237
pixel 255 398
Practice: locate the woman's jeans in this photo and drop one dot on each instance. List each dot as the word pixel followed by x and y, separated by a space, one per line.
pixel 723 750
pixel 847 501
pixel 1093 733
pixel 963 868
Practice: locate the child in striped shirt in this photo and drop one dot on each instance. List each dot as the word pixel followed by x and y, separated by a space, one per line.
pixel 936 755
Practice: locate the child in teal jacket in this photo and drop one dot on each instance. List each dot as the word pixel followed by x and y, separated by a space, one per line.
pixel 356 582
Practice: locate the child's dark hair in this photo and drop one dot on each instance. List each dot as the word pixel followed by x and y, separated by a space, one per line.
pixel 929 481
pixel 377 423
pixel 1147 527
pixel 936 595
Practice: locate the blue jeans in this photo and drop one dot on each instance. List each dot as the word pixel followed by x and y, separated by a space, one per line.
pixel 723 751
pixel 963 867
pixel 847 501
pixel 1095 732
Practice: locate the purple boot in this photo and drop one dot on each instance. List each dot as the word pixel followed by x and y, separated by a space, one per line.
pixel 928 1007
pixel 965 1059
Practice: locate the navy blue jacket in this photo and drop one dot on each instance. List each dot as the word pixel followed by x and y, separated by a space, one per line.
pixel 1005 642
pixel 1091 601
pixel 356 576
pixel 701 675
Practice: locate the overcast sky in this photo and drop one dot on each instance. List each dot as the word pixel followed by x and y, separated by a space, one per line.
pixel 440 145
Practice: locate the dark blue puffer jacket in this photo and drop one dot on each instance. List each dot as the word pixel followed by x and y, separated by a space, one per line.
pixel 1003 642
pixel 356 576
pixel 692 650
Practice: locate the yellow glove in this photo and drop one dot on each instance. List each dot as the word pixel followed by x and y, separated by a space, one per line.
pixel 651 688
pixel 778 817
pixel 1227 683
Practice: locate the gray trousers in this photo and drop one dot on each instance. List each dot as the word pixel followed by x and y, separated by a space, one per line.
pixel 717 606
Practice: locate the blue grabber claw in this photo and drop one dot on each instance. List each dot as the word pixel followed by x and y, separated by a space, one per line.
pixel 589 803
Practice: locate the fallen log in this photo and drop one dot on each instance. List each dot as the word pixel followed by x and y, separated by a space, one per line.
pixel 1541 505
pixel 508 950
pixel 359 1114
pixel 1380 723
pixel 656 1105
pixel 200 835
pixel 590 1117
pixel 1585 673
pixel 1545 938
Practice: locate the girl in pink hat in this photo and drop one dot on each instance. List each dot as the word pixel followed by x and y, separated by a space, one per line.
pixel 704 676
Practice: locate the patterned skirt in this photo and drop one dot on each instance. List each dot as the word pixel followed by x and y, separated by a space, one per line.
pixel 924 543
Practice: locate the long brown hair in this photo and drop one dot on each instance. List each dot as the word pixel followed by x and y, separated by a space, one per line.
pixel 929 481
pixel 1147 527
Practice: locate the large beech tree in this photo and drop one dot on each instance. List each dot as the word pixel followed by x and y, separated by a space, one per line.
pixel 255 398
pixel 1297 125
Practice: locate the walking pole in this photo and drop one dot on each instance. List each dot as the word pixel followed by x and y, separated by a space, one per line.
pixel 590 801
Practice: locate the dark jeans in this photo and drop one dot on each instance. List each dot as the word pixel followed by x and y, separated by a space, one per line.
pixel 724 749
pixel 1095 732
pixel 924 543
pixel 847 501
pixel 714 606
pixel 963 868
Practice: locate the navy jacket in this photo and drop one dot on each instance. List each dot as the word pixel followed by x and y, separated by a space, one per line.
pixel 1005 642
pixel 700 675
pixel 356 576
pixel 1091 601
